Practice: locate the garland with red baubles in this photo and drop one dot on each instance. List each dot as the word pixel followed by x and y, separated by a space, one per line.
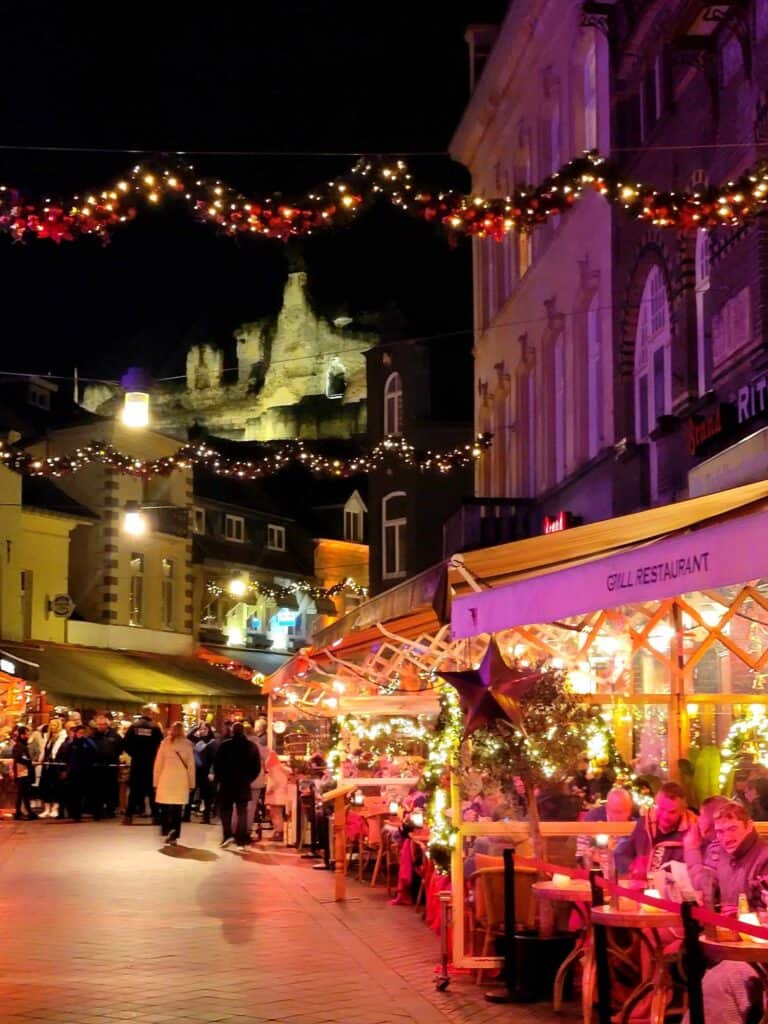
pixel 212 201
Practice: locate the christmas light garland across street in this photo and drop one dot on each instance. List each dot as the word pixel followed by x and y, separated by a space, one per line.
pixel 253 587
pixel 274 459
pixel 213 201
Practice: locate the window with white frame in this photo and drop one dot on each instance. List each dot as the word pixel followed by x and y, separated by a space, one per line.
pixel 198 520
pixel 167 593
pixel 353 525
pixel 393 404
pixel 136 592
pixel 703 361
pixel 595 412
pixel 394 522
pixel 275 537
pixel 732 327
pixel 589 96
pixel 234 528
pixel 558 366
pixel 653 373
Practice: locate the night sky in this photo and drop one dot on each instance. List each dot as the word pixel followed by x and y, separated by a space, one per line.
pixel 290 78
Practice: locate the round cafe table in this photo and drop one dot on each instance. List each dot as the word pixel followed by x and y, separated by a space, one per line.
pixel 648 924
pixel 577 891
pixel 753 953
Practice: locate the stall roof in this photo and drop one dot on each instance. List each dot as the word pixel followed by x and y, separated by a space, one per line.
pixel 420 621
pixel 695 545
pixel 128 677
pixel 495 565
pixel 69 672
pixel 397 603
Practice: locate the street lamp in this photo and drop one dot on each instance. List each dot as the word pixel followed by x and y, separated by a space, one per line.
pixel 136 383
pixel 134 520
pixel 238 586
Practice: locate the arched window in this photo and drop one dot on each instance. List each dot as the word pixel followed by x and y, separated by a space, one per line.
pixel 394 522
pixel 653 375
pixel 703 360
pixel 336 383
pixel 393 404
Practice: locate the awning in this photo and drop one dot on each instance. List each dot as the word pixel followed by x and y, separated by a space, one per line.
pixel 263 662
pixel 125 677
pixel 70 672
pixel 356 644
pixel 418 592
pixel 694 557
pixel 14 665
pixel 504 562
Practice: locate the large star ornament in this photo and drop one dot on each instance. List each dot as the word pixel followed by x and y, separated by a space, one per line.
pixel 491 691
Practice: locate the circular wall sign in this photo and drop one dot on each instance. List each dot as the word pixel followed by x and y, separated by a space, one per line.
pixel 62 605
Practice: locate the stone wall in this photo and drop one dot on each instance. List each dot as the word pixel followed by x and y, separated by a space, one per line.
pixel 300 377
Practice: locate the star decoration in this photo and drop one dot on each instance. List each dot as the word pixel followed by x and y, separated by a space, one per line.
pixel 491 691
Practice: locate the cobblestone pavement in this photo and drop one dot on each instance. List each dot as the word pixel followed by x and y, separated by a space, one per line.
pixel 99 923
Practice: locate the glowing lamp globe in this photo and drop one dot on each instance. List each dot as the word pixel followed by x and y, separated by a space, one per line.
pixel 237 586
pixel 134 521
pixel 136 384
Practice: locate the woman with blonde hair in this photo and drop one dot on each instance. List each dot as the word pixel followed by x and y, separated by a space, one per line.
pixel 50 777
pixel 174 778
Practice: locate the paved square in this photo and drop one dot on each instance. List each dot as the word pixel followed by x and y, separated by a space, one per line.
pixel 99 923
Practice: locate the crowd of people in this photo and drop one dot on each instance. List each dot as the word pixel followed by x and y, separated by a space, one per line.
pixel 68 769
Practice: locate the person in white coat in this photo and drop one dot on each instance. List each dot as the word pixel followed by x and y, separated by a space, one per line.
pixel 174 779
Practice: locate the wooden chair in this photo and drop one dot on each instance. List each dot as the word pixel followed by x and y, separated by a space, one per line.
pixel 487 895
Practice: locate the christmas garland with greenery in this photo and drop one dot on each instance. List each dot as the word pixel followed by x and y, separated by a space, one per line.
pixel 213 201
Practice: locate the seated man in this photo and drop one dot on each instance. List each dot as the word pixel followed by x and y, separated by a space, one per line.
pixel 658 836
pixel 732 990
pixel 618 806
pixel 700 848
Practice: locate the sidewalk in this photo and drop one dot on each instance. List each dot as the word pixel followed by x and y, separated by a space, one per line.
pixel 99 923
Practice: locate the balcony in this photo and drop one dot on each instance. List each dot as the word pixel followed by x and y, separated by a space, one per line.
pixel 483 522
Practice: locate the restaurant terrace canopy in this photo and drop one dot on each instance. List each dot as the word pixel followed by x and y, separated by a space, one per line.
pixel 661 616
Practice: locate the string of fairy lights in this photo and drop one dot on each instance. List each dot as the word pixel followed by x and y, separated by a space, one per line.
pixel 212 201
pixel 254 588
pixel 273 460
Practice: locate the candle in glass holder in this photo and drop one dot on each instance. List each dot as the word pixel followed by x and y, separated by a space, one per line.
pixel 394 806
pixel 560 880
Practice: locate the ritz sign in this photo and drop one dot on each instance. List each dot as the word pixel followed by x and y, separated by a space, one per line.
pixel 752 399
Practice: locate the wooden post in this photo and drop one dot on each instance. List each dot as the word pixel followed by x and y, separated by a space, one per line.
pixel 339 846
pixel 600 948
pixel 694 963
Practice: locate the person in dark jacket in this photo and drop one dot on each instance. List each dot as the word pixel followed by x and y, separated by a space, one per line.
pixel 140 743
pixel 201 738
pixel 658 836
pixel 236 764
pixel 79 756
pixel 104 790
pixel 23 773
